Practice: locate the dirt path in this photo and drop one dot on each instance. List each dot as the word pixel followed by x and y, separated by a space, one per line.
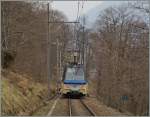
pixel 53 106
pixel 61 108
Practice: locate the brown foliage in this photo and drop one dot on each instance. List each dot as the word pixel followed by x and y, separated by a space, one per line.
pixel 122 60
pixel 24 30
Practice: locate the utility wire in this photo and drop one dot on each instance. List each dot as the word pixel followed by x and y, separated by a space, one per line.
pixel 79 13
pixel 78 10
pixel 82 8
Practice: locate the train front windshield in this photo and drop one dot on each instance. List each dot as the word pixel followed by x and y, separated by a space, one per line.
pixel 74 73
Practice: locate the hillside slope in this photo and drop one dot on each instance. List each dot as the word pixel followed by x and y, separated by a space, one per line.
pixel 21 95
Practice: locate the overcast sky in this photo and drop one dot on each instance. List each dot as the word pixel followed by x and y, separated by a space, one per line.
pixel 70 8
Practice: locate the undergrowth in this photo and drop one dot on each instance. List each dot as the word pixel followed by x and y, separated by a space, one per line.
pixel 21 95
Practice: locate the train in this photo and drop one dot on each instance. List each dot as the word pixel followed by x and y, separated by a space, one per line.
pixel 74 82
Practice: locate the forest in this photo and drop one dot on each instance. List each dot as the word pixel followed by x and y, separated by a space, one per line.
pixel 117 48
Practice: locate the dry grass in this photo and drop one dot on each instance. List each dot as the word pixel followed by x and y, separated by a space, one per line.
pixel 20 94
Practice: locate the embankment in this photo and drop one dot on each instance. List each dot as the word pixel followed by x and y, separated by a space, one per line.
pixel 21 95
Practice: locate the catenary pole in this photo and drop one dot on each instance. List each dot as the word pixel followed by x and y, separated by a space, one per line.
pixel 48 52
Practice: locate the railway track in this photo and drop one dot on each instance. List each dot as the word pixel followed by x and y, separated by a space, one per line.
pixel 76 107
pixel 87 109
pixel 69 106
pixel 56 98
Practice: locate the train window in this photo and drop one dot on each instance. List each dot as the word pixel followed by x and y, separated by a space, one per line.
pixel 70 74
pixel 74 73
pixel 79 73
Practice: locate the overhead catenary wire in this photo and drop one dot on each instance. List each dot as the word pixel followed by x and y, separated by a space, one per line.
pixel 49 38
pixel 80 7
pixel 78 10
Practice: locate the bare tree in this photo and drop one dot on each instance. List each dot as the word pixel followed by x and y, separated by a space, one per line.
pixel 121 44
pixel 24 31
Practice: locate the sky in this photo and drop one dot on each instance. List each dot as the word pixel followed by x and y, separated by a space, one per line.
pixel 70 8
pixel 91 9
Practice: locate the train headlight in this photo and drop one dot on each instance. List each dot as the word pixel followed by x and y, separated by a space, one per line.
pixel 83 87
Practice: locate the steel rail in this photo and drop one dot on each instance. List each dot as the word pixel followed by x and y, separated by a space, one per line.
pixel 88 108
pixel 61 22
pixel 69 106
pixel 56 98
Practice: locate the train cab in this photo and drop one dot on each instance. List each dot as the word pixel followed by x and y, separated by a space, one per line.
pixel 74 82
